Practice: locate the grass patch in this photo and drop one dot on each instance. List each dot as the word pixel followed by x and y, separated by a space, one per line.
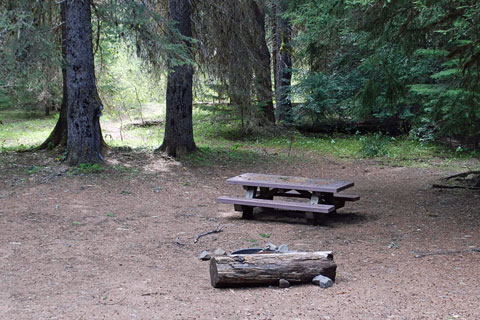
pixel 148 138
pixel 23 130
pixel 222 155
pixel 88 168
pixel 223 142
pixel 33 169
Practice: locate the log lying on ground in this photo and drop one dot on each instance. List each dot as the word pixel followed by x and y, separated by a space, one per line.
pixel 266 269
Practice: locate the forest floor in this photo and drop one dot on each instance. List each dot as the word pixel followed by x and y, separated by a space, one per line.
pixel 117 242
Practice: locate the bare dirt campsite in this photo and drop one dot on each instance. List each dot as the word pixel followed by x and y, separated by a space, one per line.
pixel 119 243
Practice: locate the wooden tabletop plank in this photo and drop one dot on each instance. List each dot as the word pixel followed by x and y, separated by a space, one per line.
pixel 288 182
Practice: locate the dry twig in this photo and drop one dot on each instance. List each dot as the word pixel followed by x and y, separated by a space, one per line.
pixel 217 230
pixel 443 252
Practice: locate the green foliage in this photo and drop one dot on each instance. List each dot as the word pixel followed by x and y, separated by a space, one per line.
pixel 33 169
pixel 30 76
pixel 325 97
pixel 414 61
pixel 88 168
pixel 126 87
pixel 23 128
pixel 374 145
pixel 146 28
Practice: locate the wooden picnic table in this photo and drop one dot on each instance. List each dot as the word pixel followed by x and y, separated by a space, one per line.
pixel 324 195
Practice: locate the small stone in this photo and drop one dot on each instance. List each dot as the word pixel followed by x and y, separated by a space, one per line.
pixel 471 176
pixel 322 281
pixel 283 248
pixel 219 252
pixel 205 255
pixel 393 245
pixel 282 283
pixel 270 247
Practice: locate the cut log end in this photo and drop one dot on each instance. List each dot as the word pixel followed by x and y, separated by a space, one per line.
pixel 268 269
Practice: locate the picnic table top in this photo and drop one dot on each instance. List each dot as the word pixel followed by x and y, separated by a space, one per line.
pixel 288 182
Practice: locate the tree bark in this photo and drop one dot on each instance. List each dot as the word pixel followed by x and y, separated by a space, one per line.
pixel 84 108
pixel 263 80
pixel 178 138
pixel 264 269
pixel 284 64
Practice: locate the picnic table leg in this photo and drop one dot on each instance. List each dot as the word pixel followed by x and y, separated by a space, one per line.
pixel 247 210
pixel 264 194
pixel 313 217
pixel 328 198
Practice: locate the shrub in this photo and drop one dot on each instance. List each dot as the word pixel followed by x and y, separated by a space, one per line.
pixel 374 145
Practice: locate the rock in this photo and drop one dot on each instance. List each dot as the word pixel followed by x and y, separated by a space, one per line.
pixel 283 248
pixel 322 281
pixel 270 247
pixel 219 252
pixel 282 283
pixel 393 245
pixel 205 255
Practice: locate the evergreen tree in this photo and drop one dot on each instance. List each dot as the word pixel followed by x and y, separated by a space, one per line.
pixel 178 138
pixel 283 66
pixel 84 108
pixel 232 49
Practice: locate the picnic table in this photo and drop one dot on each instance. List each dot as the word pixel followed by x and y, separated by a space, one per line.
pixel 325 195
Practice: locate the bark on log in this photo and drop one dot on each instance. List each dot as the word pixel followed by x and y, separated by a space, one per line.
pixel 265 269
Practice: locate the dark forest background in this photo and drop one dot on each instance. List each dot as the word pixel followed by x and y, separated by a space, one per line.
pixel 190 69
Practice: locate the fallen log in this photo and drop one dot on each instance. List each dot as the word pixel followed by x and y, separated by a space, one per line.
pixel 269 268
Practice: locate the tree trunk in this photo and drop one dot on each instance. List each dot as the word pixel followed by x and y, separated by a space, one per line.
pixel 263 80
pixel 84 108
pixel 264 269
pixel 58 137
pixel 273 39
pixel 178 139
pixel 284 64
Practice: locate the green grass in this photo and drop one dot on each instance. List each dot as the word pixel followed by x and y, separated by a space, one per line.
pixel 87 168
pixel 22 130
pixel 224 143
pixel 138 138
pixel 33 169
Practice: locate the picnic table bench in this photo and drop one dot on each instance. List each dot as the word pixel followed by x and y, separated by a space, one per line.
pixel 324 195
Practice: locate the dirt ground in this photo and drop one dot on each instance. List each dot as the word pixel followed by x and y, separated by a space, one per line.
pixel 119 244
